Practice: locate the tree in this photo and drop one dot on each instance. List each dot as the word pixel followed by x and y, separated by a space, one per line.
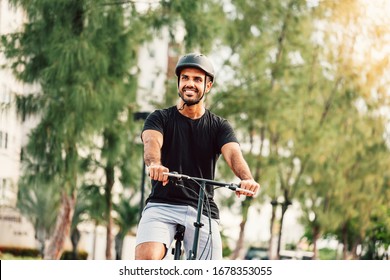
pixel 64 48
pixel 298 89
pixel 126 218
pixel 116 117
pixel 80 53
pixel 38 201
pixel 269 54
pixel 355 131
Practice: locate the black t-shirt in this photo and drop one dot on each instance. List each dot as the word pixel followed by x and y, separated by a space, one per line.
pixel 190 147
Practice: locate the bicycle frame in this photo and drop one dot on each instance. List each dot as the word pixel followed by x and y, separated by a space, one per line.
pixel 202 182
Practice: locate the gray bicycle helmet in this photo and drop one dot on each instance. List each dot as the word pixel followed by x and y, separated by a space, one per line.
pixel 195 60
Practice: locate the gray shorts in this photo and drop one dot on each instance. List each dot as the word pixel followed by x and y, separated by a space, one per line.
pixel 158 224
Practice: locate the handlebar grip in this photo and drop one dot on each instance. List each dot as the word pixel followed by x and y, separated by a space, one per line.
pixel 236 188
pixel 245 191
pixel 176 175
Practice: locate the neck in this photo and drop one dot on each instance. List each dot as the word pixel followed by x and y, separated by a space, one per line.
pixel 193 112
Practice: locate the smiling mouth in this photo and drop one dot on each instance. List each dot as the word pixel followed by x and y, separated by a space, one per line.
pixel 190 92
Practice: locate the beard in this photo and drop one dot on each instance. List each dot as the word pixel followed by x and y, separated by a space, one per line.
pixel 193 98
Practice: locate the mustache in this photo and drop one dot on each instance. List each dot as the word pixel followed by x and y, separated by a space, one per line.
pixel 190 88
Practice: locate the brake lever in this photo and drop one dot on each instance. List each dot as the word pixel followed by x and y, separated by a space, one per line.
pixel 174 179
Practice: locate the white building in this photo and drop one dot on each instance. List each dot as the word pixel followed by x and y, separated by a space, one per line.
pixel 153 65
pixel 15 230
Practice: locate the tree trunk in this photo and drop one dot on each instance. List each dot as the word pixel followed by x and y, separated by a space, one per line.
pixel 108 195
pixel 281 43
pixel 95 236
pixel 119 238
pixel 271 230
pixel 40 235
pixel 240 242
pixel 56 245
pixel 316 236
pixel 354 249
pixel 284 209
pixel 75 238
pixel 248 200
pixel 345 242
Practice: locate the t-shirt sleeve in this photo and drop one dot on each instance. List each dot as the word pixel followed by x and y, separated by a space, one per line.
pixel 155 121
pixel 226 134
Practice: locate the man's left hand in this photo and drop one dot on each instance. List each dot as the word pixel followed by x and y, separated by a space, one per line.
pixel 250 185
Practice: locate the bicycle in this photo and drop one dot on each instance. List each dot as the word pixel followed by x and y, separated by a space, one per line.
pixel 181 229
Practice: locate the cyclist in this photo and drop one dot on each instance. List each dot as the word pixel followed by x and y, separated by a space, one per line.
pixel 186 138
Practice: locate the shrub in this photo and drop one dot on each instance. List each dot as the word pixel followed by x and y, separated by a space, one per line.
pixel 20 252
pixel 68 255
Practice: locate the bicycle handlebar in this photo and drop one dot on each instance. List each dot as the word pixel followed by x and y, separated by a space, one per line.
pixel 231 186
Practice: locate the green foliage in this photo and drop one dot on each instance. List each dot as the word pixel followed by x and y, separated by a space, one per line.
pixel 201 21
pixel 79 54
pixel 286 93
pixel 327 254
pixel 38 202
pixel 127 215
pixel 16 252
pixel 68 255
pixel 91 205
pixel 226 250
pixel 309 127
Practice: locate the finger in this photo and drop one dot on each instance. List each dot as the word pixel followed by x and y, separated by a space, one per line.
pixel 152 170
pixel 165 180
pixel 247 189
pixel 250 191
pixel 160 177
pixel 151 173
pixel 253 189
pixel 155 175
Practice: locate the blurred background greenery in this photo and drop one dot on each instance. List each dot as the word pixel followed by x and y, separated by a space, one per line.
pixel 305 83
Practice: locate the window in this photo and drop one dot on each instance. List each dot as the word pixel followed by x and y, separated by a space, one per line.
pixel 6 141
pixel 5 95
pixel 3 139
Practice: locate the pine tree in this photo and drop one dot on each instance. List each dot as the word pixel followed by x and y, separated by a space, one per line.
pixel 79 53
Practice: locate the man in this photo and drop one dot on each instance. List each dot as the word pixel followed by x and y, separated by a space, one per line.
pixel 188 139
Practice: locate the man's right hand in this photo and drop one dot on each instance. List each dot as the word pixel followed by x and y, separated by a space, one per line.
pixel 156 172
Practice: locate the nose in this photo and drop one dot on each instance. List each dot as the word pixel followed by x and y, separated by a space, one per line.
pixel 191 83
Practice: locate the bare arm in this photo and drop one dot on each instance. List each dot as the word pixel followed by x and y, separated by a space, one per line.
pixel 153 141
pixel 234 158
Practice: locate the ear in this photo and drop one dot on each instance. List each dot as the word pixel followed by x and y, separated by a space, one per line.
pixel 209 84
